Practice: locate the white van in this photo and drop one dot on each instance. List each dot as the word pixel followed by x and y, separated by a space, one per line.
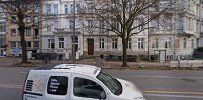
pixel 76 82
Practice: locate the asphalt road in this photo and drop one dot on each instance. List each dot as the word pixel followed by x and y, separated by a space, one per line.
pixel 156 85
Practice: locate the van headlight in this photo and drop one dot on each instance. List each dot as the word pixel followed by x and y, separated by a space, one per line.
pixel 138 98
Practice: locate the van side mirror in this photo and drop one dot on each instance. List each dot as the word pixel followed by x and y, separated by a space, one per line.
pixel 102 95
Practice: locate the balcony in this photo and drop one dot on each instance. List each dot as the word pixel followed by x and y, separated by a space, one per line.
pixel 66 31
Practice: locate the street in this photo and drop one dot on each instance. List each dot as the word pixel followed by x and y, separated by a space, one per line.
pixel 156 85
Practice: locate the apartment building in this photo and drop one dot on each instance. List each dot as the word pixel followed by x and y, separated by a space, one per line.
pixel 32 35
pixel 2 35
pixel 181 38
pixel 178 39
pixel 58 33
pixel 200 41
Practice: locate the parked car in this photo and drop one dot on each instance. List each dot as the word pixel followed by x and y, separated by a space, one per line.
pixel 76 82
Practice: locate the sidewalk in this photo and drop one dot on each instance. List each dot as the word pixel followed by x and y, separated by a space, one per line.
pixel 4 62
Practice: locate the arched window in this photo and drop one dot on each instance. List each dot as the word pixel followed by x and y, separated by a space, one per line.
pixel 66 9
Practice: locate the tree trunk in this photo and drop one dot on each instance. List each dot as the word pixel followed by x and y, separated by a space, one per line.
pixel 124 44
pixel 23 44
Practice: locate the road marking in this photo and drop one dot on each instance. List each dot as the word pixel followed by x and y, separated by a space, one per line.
pixel 22 72
pixel 174 92
pixel 157 76
pixel 11 86
pixel 175 96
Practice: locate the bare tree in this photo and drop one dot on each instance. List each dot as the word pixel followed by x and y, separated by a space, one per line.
pixel 24 12
pixel 127 17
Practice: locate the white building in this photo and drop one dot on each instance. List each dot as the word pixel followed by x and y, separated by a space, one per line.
pixel 57 33
pixel 179 40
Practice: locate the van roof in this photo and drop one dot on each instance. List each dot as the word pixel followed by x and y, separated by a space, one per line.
pixel 71 68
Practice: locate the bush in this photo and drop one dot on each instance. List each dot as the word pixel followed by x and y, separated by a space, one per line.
pixel 200 49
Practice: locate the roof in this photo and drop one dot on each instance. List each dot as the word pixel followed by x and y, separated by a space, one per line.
pixel 71 68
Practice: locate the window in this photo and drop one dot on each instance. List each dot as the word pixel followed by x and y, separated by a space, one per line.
pixel 140 43
pixel 51 43
pixel 78 8
pixel 2 26
pixel 13 32
pixel 36 44
pixel 129 45
pixel 66 9
pixel 76 42
pixel 101 25
pixel 13 19
pixel 55 8
pixel 192 43
pixel 36 8
pixel 61 43
pixel 101 43
pixel 28 32
pixel 114 43
pixel 86 88
pixel 184 43
pixel 36 21
pixel 168 43
pixel 177 43
pixel 141 24
pixel 57 85
pixel 48 8
pixel 71 8
pixel 29 45
pixel 36 33
pixel 90 24
pixel 71 22
pixel 90 7
pixel 3 39
pixel 19 44
pixel 197 27
pixel 155 43
pixel 111 83
pixel 48 28
pixel 13 44
pixel 189 23
pixel 116 24
pixel 56 24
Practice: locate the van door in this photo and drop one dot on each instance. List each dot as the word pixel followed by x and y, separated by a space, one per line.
pixel 58 87
pixel 86 88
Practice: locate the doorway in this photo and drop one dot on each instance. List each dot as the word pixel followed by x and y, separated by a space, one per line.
pixel 90 42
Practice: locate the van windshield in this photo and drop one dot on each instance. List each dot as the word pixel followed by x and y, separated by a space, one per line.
pixel 111 83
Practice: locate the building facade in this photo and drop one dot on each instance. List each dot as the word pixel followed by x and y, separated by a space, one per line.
pixel 57 33
pixel 32 35
pixel 179 39
pixel 2 35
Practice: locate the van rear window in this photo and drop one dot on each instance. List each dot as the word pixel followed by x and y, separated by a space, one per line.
pixel 57 85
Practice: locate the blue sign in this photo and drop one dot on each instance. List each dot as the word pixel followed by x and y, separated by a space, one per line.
pixel 16 51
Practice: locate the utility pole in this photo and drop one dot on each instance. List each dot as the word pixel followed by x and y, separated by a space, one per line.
pixel 73 37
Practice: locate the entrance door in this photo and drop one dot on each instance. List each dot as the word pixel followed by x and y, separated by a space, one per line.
pixel 90 46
